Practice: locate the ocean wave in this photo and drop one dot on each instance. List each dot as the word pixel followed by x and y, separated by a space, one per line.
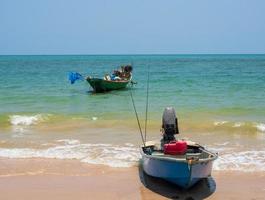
pixel 105 154
pixel 25 120
pixel 69 141
pixel 219 123
pixel 229 124
pixel 238 124
pixel 246 161
pixel 128 155
pixel 222 144
pixel 94 118
pixel 261 127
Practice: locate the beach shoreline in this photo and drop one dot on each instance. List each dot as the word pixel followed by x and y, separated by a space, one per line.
pixel 70 179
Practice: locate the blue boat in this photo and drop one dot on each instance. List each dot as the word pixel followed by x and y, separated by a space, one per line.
pixel 182 170
pixel 183 165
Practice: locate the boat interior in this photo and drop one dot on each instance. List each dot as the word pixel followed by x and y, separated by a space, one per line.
pixel 194 152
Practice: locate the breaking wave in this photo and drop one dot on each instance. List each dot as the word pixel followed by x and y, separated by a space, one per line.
pixel 25 120
pixel 105 154
pixel 247 161
pixel 260 127
pixel 219 123
pixel 127 155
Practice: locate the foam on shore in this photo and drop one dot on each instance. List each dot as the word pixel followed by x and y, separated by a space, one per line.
pixel 261 127
pixel 26 120
pixel 247 161
pixel 105 154
pixel 128 155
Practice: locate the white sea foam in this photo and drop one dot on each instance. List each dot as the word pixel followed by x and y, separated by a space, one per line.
pixel 25 120
pixel 127 155
pixel 238 124
pixel 219 123
pixel 69 141
pixel 94 118
pixel 222 144
pixel 247 161
pixel 105 154
pixel 261 127
pixel 129 144
pixel 115 157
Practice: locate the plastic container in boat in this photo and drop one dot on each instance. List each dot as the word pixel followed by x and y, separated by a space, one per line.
pixel 178 147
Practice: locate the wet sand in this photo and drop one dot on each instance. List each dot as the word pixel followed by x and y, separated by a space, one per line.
pixel 62 180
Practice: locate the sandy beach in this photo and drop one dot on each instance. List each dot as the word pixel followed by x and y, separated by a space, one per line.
pixel 62 180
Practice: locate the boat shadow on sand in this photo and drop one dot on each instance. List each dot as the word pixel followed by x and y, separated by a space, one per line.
pixel 201 190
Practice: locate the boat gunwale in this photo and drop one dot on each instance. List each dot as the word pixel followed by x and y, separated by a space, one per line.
pixel 109 81
pixel 202 160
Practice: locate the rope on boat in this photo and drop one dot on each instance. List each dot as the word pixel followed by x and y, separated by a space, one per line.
pixel 146 106
pixel 139 125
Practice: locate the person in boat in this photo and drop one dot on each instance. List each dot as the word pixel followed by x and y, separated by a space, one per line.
pixel 123 74
pixel 126 72
pixel 116 75
pixel 169 126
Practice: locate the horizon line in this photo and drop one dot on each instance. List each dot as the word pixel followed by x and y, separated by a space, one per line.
pixel 144 54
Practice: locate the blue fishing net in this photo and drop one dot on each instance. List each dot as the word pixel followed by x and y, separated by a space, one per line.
pixel 73 76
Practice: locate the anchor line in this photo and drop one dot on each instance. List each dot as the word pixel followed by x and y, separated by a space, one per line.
pixel 146 106
pixel 137 118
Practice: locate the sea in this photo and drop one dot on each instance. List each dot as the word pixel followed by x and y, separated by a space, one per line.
pixel 219 101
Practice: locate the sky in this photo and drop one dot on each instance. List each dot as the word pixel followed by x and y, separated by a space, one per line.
pixel 47 27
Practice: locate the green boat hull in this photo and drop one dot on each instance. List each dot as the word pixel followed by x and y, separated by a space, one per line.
pixel 101 85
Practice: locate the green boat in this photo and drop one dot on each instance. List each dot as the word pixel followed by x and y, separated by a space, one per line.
pixel 116 81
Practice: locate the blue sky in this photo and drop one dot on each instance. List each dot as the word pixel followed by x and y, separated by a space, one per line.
pixel 132 27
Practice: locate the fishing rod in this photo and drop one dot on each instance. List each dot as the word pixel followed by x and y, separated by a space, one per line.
pixel 146 106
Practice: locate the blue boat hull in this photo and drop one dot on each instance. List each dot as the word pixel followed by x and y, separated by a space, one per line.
pixel 179 172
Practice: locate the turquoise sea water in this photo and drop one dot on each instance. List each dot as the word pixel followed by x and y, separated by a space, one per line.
pixel 218 85
pixel 212 94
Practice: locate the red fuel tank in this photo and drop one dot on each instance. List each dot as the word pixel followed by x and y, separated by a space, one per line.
pixel 178 147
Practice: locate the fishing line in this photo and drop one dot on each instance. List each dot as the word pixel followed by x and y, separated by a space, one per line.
pixel 146 107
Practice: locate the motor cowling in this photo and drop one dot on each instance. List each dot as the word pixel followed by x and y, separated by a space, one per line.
pixel 169 125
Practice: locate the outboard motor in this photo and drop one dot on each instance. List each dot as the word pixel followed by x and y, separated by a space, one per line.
pixel 169 126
